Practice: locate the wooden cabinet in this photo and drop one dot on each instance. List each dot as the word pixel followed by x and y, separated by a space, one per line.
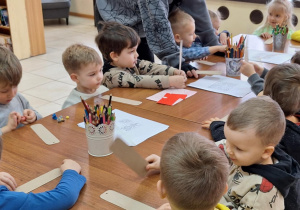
pixel 26 27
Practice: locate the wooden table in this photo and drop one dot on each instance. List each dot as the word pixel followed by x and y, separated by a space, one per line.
pixel 25 157
pixel 204 104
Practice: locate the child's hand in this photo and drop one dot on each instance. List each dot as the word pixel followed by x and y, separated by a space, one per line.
pixel 8 181
pixel 258 69
pixel 222 48
pixel 70 164
pixel 177 81
pixel 14 119
pixel 266 35
pixel 165 206
pixel 29 116
pixel 154 162
pixel 223 38
pixel 204 58
pixel 179 72
pixel 206 124
pixel 247 69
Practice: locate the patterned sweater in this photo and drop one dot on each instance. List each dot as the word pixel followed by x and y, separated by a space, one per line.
pixel 144 75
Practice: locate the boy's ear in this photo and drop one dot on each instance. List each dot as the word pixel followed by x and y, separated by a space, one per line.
pixel 114 56
pixel 268 152
pixel 226 189
pixel 177 38
pixel 74 77
pixel 161 189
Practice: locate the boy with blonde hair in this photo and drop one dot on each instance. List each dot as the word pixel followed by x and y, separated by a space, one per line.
pixel 183 27
pixel 84 66
pixel 122 68
pixel 15 110
pixel 215 18
pixel 193 172
pixel 262 176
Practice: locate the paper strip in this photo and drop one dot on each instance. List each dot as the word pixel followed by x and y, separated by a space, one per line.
pixel 206 62
pixel 122 100
pixel 44 134
pixel 130 157
pixel 39 181
pixel 209 72
pixel 269 41
pixel 123 201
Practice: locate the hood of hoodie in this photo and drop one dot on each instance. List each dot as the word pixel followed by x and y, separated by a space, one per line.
pixel 283 174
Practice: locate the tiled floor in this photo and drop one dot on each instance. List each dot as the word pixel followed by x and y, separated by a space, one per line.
pixel 45 82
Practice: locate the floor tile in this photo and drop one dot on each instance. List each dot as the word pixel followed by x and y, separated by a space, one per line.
pixel 48 109
pixel 29 81
pixel 55 72
pixel 51 91
pixel 34 101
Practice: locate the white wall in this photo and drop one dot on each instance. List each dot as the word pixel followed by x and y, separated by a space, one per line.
pixel 84 7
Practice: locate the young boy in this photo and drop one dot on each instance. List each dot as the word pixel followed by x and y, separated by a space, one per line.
pixel 262 176
pixel 62 197
pixel 118 45
pixel 183 27
pixel 15 110
pixel 193 172
pixel 256 73
pixel 84 66
pixel 215 18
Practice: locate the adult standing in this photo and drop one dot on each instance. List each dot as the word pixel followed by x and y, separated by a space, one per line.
pixel 150 19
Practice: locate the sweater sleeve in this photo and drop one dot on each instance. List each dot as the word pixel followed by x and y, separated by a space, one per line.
pixel 149 68
pixel 117 77
pixel 195 52
pixel 257 83
pixel 62 197
pixel 217 130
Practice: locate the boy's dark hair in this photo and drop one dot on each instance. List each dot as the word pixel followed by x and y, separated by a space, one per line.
pixel 263 115
pixel 10 67
pixel 114 37
pixel 194 171
pixel 282 84
pixel 296 58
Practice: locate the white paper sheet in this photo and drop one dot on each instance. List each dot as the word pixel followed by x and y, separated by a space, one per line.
pixel 156 97
pixel 268 57
pixel 221 84
pixel 133 129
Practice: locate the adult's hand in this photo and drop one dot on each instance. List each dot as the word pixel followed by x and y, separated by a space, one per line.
pixel 189 69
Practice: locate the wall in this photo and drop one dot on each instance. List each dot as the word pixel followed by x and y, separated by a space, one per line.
pixel 83 7
pixel 238 21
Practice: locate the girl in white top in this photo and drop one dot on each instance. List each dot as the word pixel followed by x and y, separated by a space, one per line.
pixel 279 12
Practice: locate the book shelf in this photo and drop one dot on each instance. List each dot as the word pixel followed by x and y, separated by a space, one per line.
pixel 26 27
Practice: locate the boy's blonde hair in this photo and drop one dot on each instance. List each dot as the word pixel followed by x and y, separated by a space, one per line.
pixel 178 19
pixel 261 114
pixel 77 56
pixel 194 171
pixel 214 14
pixel 282 84
pixel 285 6
pixel 10 68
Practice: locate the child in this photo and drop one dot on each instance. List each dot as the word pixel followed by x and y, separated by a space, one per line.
pixel 84 66
pixel 279 13
pixel 62 197
pixel 183 27
pixel 15 110
pixel 256 73
pixel 118 44
pixel 252 131
pixel 215 18
pixel 193 172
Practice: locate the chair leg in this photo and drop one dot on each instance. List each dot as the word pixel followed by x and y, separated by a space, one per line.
pixel 67 21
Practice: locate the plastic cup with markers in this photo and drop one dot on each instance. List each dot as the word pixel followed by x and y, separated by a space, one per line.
pixel 234 56
pixel 99 128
